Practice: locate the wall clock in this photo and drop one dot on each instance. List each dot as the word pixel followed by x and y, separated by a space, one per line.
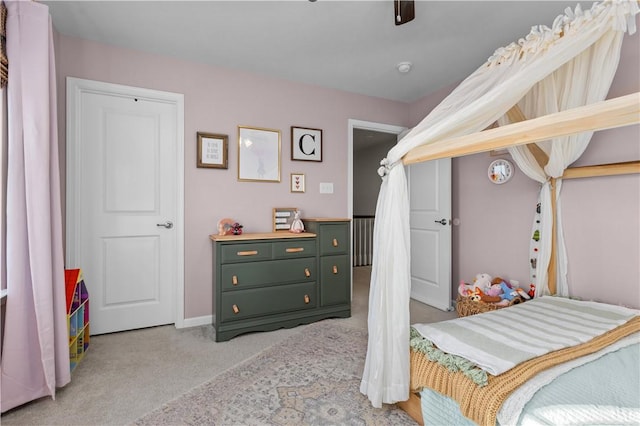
pixel 500 171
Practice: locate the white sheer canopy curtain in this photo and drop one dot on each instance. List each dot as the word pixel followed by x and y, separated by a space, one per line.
pixel 482 98
pixel 35 352
pixel 583 80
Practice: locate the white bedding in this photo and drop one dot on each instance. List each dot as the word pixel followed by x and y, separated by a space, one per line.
pixel 496 341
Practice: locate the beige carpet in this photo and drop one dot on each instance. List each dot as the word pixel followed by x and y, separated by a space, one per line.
pixel 127 375
pixel 311 378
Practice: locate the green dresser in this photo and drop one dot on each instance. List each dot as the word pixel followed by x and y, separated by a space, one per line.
pixel 268 281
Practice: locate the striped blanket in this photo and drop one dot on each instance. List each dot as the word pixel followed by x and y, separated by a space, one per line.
pixel 481 403
pixel 499 340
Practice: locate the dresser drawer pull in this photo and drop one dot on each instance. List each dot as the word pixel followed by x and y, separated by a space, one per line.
pixel 335 242
pixel 247 253
pixel 307 272
pixel 306 299
pixel 294 249
pixel 234 280
pixel 335 269
pixel 235 309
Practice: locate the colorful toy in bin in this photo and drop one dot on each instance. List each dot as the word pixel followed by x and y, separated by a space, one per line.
pixel 77 298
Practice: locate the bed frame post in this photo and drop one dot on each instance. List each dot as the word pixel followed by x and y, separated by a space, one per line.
pixel 551 271
pixel 413 407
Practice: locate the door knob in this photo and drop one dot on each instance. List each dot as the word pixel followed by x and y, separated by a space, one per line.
pixel 168 224
pixel 441 221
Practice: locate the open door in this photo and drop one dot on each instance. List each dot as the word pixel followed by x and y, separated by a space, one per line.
pixel 430 226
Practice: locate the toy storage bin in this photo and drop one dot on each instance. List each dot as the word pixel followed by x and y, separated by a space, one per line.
pixel 465 306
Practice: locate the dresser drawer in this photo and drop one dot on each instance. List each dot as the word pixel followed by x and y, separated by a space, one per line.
pixel 335 284
pixel 237 305
pixel 237 276
pixel 294 248
pixel 249 252
pixel 334 239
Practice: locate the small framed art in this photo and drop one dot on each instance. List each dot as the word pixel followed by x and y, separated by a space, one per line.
pixel 297 182
pixel 258 154
pixel 212 150
pixel 306 144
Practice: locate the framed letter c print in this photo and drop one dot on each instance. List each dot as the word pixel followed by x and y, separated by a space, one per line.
pixel 306 144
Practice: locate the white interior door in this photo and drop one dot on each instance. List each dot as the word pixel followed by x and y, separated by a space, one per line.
pixel 125 217
pixel 430 224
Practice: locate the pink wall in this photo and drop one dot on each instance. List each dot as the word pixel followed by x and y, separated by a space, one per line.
pixel 495 220
pixel 217 100
pixel 600 214
pixel 603 235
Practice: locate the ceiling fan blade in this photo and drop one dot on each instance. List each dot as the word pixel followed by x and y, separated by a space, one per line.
pixel 404 11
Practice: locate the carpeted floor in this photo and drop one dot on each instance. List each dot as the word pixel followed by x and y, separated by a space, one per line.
pixel 311 378
pixel 127 375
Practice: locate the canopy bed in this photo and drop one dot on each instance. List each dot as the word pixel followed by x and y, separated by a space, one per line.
pixel 547 95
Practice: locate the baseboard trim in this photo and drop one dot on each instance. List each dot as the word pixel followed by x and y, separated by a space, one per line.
pixel 197 321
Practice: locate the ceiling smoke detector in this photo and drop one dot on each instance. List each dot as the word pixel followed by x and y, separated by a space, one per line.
pixel 404 67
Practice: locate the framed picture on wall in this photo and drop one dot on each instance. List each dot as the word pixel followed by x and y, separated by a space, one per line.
pixel 297 182
pixel 212 150
pixel 306 144
pixel 258 154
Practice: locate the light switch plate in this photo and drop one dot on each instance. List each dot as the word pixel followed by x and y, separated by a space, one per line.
pixel 326 187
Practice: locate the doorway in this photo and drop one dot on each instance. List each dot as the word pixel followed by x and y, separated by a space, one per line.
pixel 430 195
pixel 367 141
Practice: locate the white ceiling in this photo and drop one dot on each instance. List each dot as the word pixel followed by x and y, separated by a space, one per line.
pixel 346 45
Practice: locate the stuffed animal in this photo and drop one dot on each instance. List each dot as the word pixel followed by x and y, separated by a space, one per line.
pixel 499 280
pixel 236 228
pixel 484 297
pixel 465 290
pixel 523 293
pixel 507 293
pixel 532 290
pixel 482 281
pixel 514 289
pixel 494 290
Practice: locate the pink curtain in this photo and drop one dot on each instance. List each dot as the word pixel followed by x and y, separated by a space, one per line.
pixel 35 353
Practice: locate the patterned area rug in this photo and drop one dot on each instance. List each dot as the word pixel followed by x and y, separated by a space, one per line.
pixel 311 378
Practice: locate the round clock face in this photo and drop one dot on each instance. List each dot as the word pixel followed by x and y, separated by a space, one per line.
pixel 500 171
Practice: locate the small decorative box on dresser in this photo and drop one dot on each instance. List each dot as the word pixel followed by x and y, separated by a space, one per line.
pixel 268 281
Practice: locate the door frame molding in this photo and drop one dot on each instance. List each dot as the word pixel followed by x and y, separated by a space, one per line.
pixel 75 88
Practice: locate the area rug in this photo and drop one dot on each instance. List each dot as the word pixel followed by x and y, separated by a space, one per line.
pixel 311 378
